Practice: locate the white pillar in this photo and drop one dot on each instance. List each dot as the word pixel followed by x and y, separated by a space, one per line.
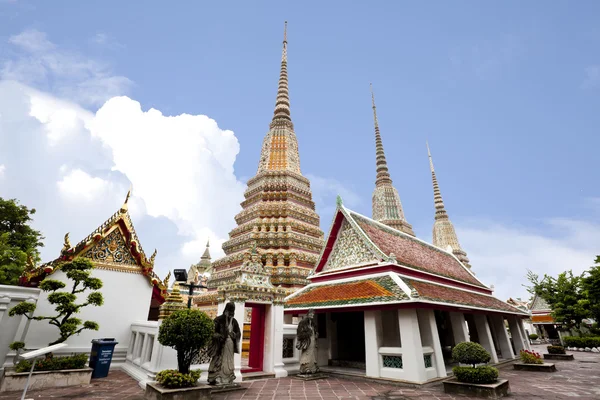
pixel 412 347
pixel 499 328
pixel 237 358
pixel 459 327
pixel 431 337
pixel 372 342
pixel 517 336
pixel 277 348
pixel 332 337
pixel 524 334
pixel 485 335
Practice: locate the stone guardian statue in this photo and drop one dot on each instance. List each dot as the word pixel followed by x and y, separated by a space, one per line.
pixel 225 343
pixel 307 336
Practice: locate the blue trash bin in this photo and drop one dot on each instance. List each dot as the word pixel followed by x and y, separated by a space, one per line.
pixel 102 352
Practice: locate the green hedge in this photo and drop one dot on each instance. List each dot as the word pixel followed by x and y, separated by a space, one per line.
pixel 556 350
pixel 55 363
pixel 483 374
pixel 533 336
pixel 582 342
pixel 470 353
pixel 173 379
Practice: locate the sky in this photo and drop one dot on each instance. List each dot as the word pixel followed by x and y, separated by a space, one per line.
pixel 174 100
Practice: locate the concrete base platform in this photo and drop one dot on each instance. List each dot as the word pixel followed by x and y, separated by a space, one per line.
pixel 311 377
pixel 489 391
pixel 545 367
pixel 226 387
pixel 156 392
pixel 562 357
pixel 44 379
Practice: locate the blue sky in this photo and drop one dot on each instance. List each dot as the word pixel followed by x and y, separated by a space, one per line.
pixel 506 94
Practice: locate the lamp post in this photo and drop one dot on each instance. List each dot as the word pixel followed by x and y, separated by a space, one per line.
pixel 181 276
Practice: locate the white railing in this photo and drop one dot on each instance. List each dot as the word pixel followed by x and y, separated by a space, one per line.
pixel 141 343
pixel 289 339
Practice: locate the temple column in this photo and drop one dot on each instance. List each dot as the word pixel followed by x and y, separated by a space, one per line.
pixel 485 335
pixel 517 336
pixel 497 322
pixel 276 347
pixel 412 347
pixel 431 337
pixel 459 327
pixel 524 334
pixel 332 336
pixel 372 342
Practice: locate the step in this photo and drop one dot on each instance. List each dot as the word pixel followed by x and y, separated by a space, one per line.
pixel 251 376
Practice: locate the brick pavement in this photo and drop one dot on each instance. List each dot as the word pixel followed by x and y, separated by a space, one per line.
pixel 579 379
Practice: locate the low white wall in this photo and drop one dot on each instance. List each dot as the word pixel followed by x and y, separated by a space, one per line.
pixel 127 298
pixel 13 329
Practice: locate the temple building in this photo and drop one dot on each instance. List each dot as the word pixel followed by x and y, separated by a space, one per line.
pixel 278 214
pixel 131 289
pixel 392 306
pixel 541 317
pixel 198 271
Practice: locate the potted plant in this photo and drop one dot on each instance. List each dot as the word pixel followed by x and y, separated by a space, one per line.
pixel 533 337
pixel 473 378
pixel 557 353
pixel 187 331
pixel 48 371
pixel 532 361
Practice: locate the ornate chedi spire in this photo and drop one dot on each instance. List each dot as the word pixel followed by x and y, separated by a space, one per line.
pixel 387 207
pixel 278 213
pixel 200 268
pixel 444 235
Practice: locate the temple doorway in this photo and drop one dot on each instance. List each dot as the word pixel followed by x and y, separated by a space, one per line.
pixel 253 338
pixel 350 338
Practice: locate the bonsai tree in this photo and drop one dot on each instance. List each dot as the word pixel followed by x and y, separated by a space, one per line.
pixel 79 271
pixel 187 331
pixel 533 336
pixel 472 354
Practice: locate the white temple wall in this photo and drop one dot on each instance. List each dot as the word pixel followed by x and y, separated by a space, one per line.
pixel 13 329
pixel 127 299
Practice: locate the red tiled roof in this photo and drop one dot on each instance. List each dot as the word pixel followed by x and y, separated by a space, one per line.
pixel 445 294
pixel 414 253
pixel 363 291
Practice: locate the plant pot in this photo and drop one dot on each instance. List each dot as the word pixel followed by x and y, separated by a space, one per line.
pixel 562 357
pixel 495 390
pixel 12 380
pixel 545 367
pixel 156 392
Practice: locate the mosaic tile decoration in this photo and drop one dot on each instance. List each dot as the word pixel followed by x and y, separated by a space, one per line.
pixel 288 347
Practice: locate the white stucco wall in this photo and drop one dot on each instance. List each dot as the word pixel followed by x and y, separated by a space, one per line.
pixel 127 299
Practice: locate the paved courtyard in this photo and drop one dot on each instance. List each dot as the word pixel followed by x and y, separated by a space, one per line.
pixel 575 379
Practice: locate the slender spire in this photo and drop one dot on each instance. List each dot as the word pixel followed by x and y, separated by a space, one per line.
pixel 383 174
pixel 444 234
pixel 206 254
pixel 440 211
pixel 282 105
pixel 387 207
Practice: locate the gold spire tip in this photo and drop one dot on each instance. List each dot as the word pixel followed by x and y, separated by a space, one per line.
pixel 372 94
pixel 285 32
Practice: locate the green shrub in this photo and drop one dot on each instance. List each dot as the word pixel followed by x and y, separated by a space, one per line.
pixel 531 357
pixel 582 342
pixel 470 353
pixel 556 350
pixel 54 363
pixel 173 379
pixel 533 336
pixel 483 374
pixel 187 331
pixel 17 346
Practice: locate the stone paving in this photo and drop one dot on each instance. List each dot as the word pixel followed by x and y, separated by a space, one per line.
pixel 575 379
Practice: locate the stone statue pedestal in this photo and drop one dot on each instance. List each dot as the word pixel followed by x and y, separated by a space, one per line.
pixel 311 377
pixel 226 387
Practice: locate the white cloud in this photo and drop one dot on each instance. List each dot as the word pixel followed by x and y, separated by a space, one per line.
pixel 2 169
pixel 79 185
pixel 501 254
pixel 36 61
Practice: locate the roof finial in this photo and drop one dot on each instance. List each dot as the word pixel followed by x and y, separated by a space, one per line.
pixel 339 201
pixel 124 207
pixel 282 104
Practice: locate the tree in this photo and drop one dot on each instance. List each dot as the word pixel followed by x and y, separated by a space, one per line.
pixel 187 331
pixel 590 284
pixel 564 295
pixel 79 271
pixel 18 241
